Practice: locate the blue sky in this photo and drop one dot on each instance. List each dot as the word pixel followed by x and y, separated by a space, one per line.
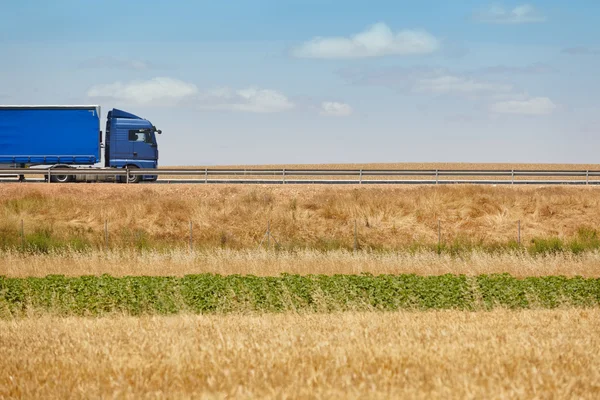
pixel 258 82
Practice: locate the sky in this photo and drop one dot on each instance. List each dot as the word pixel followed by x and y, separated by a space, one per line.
pixel 321 81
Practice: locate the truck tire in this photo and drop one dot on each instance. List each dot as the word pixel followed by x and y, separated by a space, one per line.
pixel 133 178
pixel 62 178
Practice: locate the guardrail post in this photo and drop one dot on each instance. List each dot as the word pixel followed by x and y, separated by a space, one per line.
pixel 360 177
pixel 437 174
pixel 49 175
pixel 205 175
pixel 512 177
pixel 587 177
pixel 127 170
pixel 283 176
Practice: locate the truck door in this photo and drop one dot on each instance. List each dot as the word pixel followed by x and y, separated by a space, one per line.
pixel 143 144
pixel 120 147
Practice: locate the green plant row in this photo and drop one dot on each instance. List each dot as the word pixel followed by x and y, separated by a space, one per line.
pixel 207 293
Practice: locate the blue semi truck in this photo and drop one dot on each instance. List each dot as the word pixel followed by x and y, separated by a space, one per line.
pixel 71 137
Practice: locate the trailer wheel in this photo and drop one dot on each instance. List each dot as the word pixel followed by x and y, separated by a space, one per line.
pixel 133 178
pixel 62 178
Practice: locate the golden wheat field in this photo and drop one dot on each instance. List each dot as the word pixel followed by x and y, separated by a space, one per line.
pixel 269 263
pixel 442 354
pixel 305 217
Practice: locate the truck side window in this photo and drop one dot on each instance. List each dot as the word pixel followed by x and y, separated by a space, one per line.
pixel 137 136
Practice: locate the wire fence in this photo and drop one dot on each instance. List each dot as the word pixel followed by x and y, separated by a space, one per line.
pixel 31 237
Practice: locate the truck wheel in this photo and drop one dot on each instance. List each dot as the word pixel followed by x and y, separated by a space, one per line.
pixel 133 178
pixel 62 178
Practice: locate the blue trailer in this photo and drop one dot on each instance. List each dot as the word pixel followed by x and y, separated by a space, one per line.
pixel 71 137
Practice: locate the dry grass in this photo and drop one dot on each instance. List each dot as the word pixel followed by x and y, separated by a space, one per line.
pixel 450 354
pixel 263 263
pixel 321 217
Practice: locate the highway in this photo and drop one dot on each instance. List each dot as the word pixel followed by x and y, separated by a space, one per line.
pixel 323 176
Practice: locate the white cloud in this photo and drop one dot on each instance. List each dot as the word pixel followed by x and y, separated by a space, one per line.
pixel 426 80
pixel 378 40
pixel 531 106
pixel 500 97
pixel 522 14
pixel 158 90
pixel 165 91
pixel 444 84
pixel 251 99
pixel 335 109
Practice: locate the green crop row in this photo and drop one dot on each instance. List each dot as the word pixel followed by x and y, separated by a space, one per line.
pixel 207 293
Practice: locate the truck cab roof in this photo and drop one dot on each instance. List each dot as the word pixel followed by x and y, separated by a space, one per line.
pixel 116 113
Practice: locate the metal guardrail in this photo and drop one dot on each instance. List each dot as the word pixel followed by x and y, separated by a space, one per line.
pixel 324 176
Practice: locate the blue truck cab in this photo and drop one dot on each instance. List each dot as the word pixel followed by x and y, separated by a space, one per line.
pixel 130 142
pixel 71 137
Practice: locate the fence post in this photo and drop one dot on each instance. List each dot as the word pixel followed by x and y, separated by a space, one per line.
pixel 439 236
pixel 355 236
pixel 106 234
pixel 191 235
pixel 268 236
pixel 22 235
